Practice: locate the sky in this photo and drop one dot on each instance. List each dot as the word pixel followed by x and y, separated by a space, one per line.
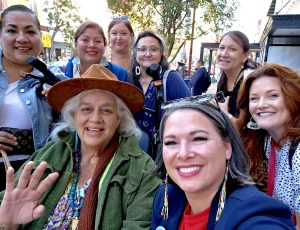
pixel 247 15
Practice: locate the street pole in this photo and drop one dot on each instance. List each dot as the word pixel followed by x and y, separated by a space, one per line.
pixel 192 39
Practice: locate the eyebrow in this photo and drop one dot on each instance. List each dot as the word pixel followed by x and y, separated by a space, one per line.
pixel 269 91
pixel 15 26
pixel 89 104
pixel 190 133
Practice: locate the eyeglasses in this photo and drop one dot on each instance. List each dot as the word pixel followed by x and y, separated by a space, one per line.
pixel 151 50
pixel 120 18
pixel 219 97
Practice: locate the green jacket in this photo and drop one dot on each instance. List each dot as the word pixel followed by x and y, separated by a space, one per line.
pixel 127 191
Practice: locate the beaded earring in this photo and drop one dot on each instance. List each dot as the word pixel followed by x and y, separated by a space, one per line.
pixel 137 70
pixel 165 209
pixel 222 197
pixel 252 124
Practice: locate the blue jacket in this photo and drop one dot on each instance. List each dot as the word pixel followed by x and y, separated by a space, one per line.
pixel 245 208
pixel 200 81
pixel 117 70
pixel 37 105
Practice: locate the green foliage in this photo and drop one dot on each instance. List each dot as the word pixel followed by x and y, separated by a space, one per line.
pixel 173 18
pixel 63 16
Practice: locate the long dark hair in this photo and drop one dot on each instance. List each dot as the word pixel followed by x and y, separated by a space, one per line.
pixel 243 41
pixel 239 162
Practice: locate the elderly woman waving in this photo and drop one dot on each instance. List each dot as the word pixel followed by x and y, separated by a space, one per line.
pixel 96 176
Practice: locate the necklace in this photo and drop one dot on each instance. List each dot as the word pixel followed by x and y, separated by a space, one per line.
pixel 75 205
pixel 237 79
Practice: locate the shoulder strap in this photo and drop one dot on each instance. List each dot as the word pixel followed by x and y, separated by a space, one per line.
pixel 166 74
pixel 292 151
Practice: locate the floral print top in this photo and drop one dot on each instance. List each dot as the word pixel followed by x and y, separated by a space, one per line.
pixel 61 217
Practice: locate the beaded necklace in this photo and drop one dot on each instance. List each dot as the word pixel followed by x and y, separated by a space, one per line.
pixel 76 207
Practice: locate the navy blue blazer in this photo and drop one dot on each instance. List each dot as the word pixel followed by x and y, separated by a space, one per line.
pixel 245 208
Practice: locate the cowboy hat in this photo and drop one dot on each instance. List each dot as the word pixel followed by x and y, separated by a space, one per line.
pixel 96 77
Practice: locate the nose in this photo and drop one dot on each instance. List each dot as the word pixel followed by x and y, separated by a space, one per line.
pixel 148 52
pixel 224 52
pixel 96 117
pixel 261 102
pixel 91 43
pixel 118 36
pixel 21 37
pixel 184 151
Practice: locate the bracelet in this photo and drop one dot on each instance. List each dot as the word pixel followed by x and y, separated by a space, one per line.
pixel 229 115
pixel 3 227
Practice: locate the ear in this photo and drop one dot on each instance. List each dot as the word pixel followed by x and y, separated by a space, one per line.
pixel 228 149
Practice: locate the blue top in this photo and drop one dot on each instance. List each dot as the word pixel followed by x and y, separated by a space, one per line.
pixel 37 105
pixel 117 70
pixel 245 208
pixel 175 89
pixel 200 81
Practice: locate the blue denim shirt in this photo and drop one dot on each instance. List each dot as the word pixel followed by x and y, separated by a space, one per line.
pixel 39 110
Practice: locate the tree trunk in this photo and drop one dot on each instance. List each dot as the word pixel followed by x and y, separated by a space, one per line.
pixel 192 39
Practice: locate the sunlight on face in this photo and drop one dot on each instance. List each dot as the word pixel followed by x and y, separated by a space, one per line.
pixel 96 120
pixel 194 152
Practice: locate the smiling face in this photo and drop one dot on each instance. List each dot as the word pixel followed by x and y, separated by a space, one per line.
pixel 96 120
pixel 20 37
pixel 267 106
pixel 90 46
pixel 230 55
pixel 194 153
pixel 120 38
pixel 148 52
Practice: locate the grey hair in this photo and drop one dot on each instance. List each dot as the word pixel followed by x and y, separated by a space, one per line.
pixel 126 128
pixel 239 163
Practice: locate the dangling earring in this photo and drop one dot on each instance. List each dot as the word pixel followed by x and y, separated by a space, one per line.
pixel 252 124
pixel 137 70
pixel 222 197
pixel 165 209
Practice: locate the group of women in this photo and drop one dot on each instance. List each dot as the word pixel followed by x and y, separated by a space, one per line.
pixel 92 174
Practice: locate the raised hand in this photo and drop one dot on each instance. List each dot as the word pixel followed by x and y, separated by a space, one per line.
pixel 20 204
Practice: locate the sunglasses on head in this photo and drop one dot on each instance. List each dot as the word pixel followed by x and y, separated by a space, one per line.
pixel 219 97
pixel 120 18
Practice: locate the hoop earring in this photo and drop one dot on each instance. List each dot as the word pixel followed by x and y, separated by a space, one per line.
pixel 165 209
pixel 137 70
pixel 222 197
pixel 252 124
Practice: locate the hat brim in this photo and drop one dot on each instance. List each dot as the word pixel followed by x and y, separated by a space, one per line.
pixel 62 91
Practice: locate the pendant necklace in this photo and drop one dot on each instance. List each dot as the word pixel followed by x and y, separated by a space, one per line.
pixel 74 204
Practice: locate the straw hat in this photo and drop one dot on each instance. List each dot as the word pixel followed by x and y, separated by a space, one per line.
pixel 96 77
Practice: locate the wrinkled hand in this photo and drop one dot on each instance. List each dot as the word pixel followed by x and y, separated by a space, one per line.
pixel 224 106
pixel 20 205
pixel 7 140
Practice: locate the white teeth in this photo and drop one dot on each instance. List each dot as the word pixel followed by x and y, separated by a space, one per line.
pixel 265 114
pixel 23 49
pixel 190 169
pixel 94 130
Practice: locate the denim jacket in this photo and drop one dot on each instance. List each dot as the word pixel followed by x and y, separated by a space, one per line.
pixel 39 110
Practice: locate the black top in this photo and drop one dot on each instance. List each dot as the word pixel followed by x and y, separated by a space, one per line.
pixel 232 105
